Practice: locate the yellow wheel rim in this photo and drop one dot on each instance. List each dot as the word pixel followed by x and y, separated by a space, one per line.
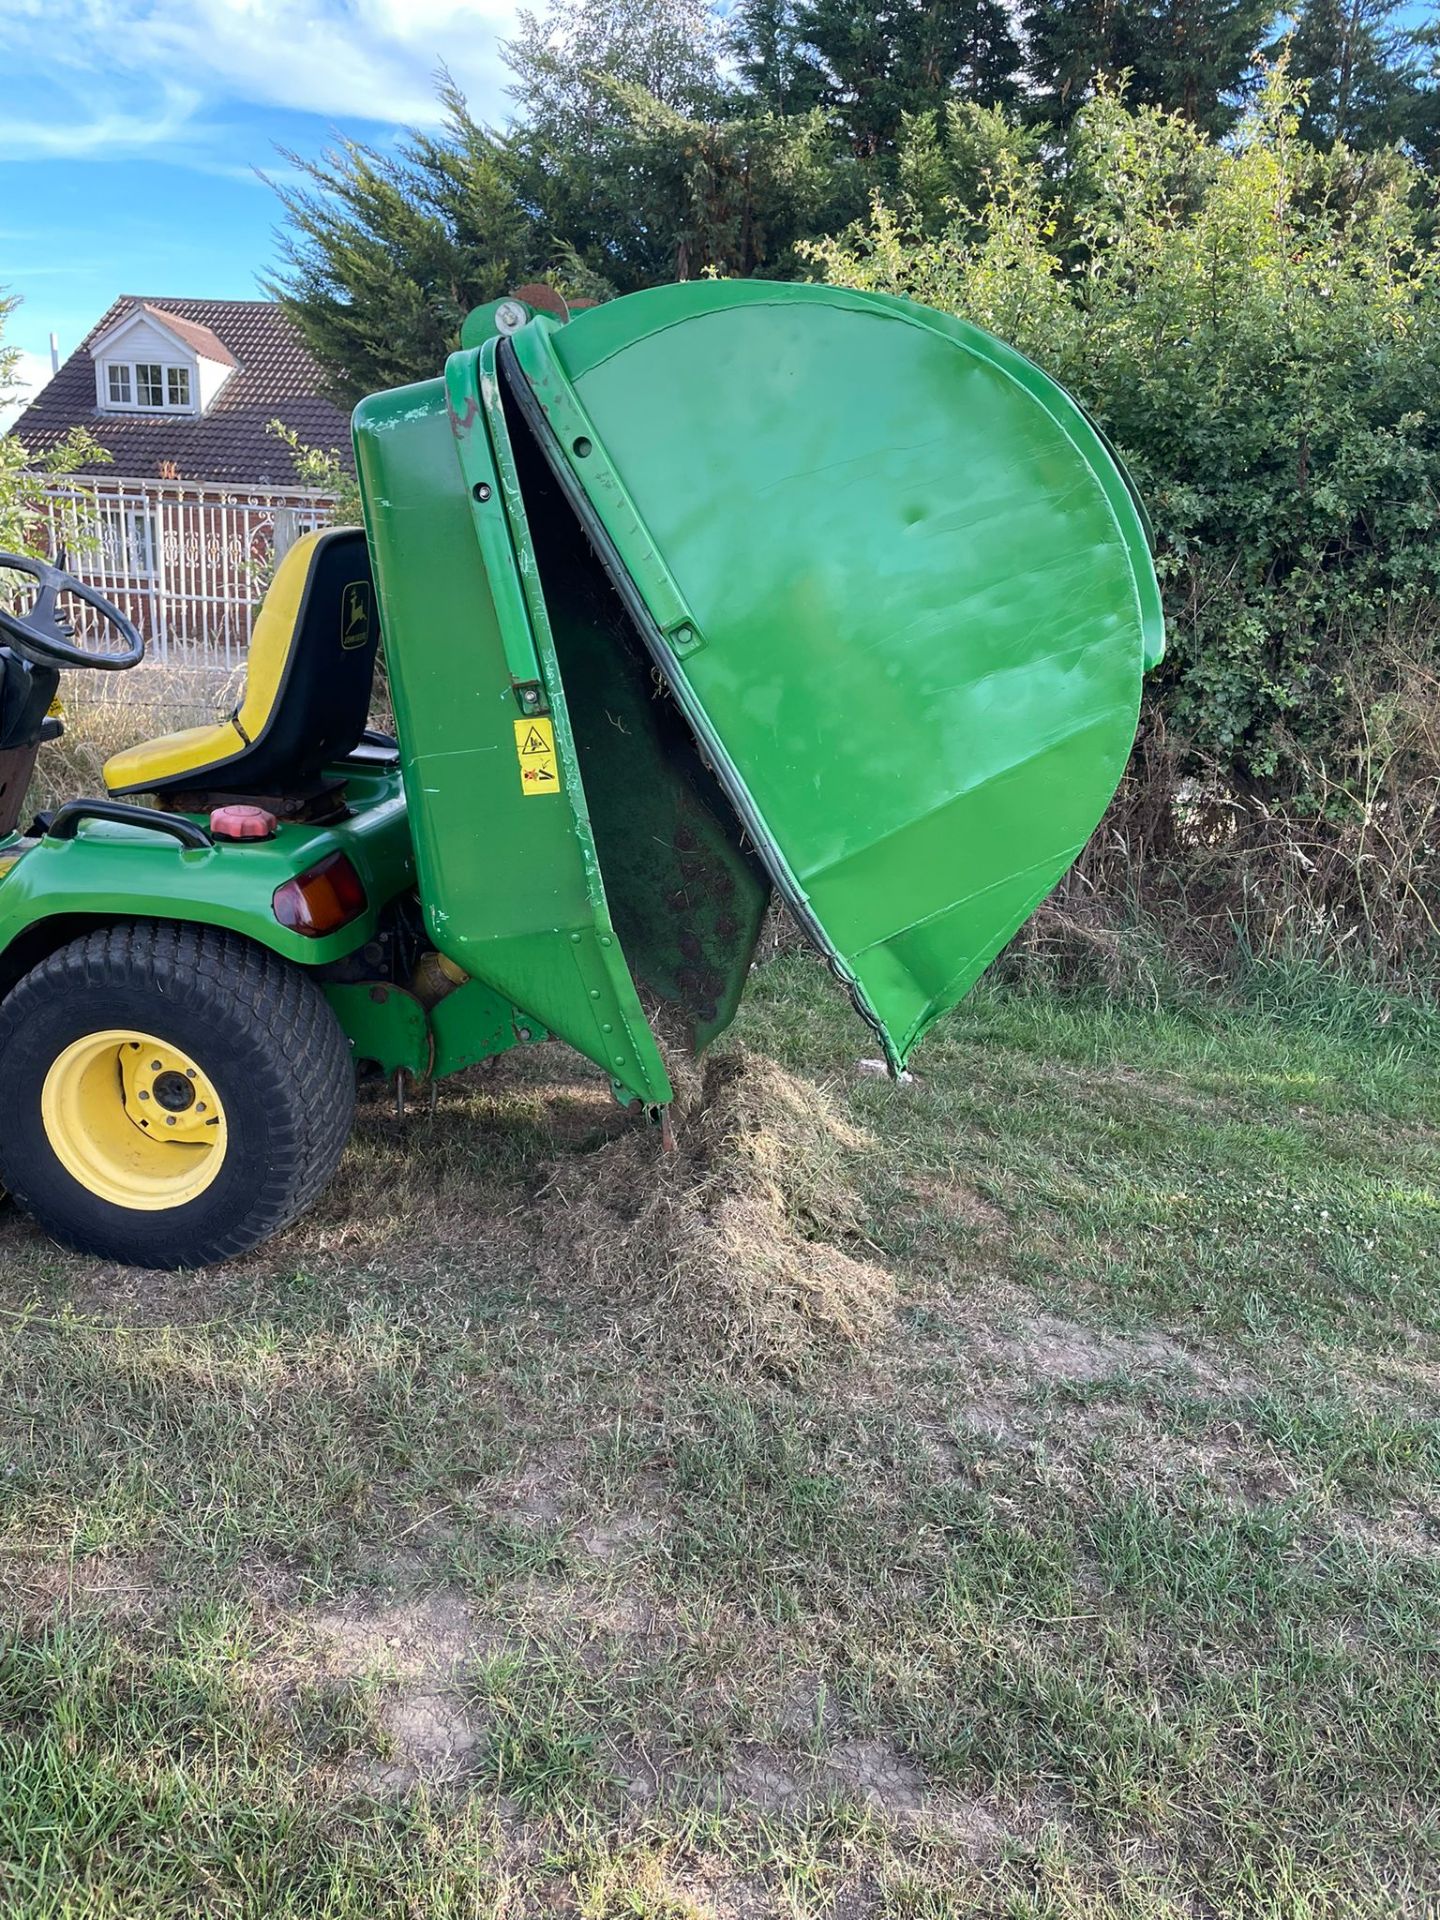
pixel 134 1120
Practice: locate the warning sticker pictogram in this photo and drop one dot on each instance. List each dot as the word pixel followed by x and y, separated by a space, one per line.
pixel 535 750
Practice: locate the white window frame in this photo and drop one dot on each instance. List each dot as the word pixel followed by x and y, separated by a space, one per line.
pixel 168 370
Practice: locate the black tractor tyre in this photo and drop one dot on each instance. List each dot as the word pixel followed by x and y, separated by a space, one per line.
pixel 257 1029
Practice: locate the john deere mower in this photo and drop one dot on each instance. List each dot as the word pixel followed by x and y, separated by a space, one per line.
pixel 715 590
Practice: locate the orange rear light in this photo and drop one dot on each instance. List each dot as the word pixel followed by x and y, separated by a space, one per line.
pixel 321 900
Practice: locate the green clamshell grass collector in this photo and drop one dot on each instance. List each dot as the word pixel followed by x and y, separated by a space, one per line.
pixel 716 590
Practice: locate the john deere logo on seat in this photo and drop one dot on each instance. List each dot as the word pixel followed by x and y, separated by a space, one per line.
pixel 355 615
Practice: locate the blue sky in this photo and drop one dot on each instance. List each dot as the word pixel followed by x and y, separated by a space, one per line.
pixel 132 129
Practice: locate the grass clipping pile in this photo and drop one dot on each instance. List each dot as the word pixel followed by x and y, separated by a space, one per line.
pixel 739 1243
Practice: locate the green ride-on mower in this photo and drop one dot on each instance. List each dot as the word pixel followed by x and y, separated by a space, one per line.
pixel 715 590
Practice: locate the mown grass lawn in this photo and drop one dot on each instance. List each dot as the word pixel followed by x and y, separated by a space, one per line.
pixel 399 1571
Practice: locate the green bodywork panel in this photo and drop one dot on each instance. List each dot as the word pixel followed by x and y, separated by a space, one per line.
pixel 510 881
pixel 474 1024
pixel 113 872
pixel 898 584
pixel 389 1027
pixel 110 872
pixel 384 1024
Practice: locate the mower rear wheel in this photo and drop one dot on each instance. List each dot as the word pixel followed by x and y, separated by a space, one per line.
pixel 172 1095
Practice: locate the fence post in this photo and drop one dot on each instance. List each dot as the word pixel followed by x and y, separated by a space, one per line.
pixel 159 598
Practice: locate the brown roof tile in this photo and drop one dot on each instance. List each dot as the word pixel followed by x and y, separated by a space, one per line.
pixel 274 378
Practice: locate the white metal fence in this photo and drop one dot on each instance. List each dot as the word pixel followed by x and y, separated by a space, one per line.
pixel 186 562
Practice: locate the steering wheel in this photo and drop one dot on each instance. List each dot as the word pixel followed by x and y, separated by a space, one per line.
pixel 46 638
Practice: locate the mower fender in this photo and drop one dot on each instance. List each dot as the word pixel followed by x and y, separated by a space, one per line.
pixel 110 872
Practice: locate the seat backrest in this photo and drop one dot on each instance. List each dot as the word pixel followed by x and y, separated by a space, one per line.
pixel 311 662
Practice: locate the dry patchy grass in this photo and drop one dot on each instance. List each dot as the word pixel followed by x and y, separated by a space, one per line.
pixel 1011 1494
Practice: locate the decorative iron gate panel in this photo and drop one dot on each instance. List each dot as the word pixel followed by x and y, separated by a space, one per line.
pixel 188 563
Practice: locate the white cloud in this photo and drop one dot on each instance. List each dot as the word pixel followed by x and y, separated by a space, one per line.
pixel 146 74
pixel 110 133
pixel 371 58
pixel 32 371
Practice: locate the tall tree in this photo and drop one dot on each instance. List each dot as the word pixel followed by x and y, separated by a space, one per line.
pixel 776 66
pixel 567 59
pixel 1191 57
pixel 677 196
pixel 582 69
pixel 385 256
pixel 1361 63
pixel 1425 120
pixel 950 159
pixel 873 61
pixel 632 161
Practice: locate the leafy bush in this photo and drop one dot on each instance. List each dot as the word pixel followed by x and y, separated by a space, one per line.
pixel 26 478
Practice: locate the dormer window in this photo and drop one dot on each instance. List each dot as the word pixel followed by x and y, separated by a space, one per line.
pixel 148 386
pixel 152 361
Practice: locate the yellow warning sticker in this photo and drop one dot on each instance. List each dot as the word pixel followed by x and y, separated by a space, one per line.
pixel 535 750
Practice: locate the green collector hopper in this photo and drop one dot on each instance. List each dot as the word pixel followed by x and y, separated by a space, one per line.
pixel 808 587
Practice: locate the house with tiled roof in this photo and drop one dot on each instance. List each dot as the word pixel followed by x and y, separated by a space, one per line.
pixel 186 390
pixel 199 496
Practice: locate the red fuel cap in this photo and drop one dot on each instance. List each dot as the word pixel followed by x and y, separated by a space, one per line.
pixel 243 823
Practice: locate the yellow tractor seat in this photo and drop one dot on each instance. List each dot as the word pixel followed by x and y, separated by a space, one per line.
pixel 307 685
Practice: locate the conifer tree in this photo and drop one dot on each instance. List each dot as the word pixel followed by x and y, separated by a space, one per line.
pixel 384 257
pixel 1361 63
pixel 873 61
pixel 1191 57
